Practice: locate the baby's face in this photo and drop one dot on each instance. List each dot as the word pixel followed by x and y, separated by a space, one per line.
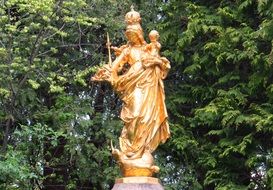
pixel 153 37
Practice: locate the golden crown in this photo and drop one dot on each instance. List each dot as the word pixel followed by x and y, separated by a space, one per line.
pixel 132 17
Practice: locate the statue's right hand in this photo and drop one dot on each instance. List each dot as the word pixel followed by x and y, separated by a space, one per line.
pixel 103 74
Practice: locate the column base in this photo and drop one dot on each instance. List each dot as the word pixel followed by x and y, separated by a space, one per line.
pixel 137 183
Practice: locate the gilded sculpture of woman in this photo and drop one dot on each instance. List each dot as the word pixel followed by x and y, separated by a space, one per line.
pixel 141 89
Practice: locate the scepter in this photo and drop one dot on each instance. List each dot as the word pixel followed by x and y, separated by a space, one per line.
pixel 108 44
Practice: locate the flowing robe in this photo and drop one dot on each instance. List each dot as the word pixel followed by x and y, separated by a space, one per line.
pixel 144 112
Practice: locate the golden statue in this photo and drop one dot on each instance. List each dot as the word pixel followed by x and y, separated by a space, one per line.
pixel 141 89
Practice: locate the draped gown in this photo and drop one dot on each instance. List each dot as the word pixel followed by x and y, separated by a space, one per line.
pixel 143 112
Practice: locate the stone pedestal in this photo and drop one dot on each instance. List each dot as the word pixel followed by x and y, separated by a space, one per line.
pixel 137 183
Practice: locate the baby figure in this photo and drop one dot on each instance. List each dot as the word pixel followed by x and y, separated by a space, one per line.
pixel 152 50
pixel 153 54
pixel 154 47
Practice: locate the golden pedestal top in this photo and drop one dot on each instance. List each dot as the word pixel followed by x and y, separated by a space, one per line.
pixel 146 180
pixel 137 183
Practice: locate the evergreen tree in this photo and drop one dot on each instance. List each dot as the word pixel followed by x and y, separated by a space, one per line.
pixel 220 90
pixel 56 127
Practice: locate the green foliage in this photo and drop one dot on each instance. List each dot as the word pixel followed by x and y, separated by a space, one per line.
pixel 56 127
pixel 222 100
pixel 23 163
pixel 51 132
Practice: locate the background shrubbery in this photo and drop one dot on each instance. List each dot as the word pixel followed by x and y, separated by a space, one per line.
pixel 55 127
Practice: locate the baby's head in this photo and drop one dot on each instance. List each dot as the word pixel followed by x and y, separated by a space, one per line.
pixel 154 36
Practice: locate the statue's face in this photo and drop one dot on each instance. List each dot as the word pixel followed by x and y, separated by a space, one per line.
pixel 133 37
